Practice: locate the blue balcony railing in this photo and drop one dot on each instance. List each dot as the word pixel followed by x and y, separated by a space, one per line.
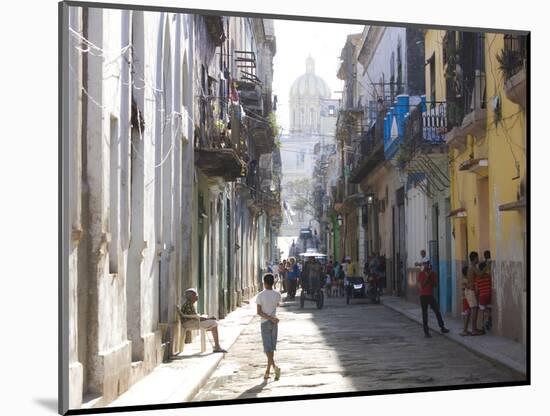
pixel 427 123
pixel 413 120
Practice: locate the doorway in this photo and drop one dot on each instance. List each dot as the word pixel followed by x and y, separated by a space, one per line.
pixel 483 214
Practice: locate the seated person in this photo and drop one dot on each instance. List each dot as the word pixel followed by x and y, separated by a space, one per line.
pixel 208 323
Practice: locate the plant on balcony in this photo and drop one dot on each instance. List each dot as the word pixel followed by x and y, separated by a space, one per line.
pixel 510 62
pixel 273 126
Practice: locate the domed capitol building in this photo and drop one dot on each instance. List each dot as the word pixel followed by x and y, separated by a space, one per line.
pixel 306 94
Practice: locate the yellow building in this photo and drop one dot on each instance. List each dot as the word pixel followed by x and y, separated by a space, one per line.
pixel 482 79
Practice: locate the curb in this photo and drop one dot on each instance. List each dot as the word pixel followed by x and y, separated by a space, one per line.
pixel 491 356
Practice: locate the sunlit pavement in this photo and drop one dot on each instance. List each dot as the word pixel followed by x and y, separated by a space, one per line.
pixel 343 348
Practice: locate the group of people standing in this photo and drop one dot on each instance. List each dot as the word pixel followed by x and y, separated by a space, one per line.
pixel 476 289
pixel 476 294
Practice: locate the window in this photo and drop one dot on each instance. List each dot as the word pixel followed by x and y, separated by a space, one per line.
pixel 431 62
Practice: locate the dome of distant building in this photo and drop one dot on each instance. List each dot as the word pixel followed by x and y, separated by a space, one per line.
pixel 306 94
pixel 309 84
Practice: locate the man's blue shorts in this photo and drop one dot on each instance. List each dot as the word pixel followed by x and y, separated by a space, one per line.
pixel 269 336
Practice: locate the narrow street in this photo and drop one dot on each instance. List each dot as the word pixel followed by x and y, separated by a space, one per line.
pixel 211 150
pixel 345 348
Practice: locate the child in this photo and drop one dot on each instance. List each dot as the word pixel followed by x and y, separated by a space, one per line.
pixel 266 306
pixel 466 311
pixel 483 290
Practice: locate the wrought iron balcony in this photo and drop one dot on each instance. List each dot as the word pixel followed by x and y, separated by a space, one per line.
pixel 368 152
pixel 465 86
pixel 425 128
pixel 216 154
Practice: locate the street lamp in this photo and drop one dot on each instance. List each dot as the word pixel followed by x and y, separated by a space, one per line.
pixel 340 219
pixel 370 199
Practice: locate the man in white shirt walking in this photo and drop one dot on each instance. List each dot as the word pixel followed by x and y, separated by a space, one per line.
pixel 266 304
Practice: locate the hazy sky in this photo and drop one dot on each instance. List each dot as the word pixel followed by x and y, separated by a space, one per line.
pixel 295 42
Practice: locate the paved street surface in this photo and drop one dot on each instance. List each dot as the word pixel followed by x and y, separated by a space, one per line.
pixel 343 348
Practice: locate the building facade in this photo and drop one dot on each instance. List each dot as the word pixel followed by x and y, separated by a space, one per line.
pixel 157 102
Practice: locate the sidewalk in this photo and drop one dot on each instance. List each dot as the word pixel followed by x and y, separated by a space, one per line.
pixel 497 349
pixel 182 378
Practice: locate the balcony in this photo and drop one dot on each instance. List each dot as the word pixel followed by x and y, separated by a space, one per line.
pixel 425 128
pixel 261 134
pixel 368 152
pixel 271 203
pixel 516 88
pixel 215 154
pixel 471 104
pixel 250 95
pixel 512 59
pixel 219 162
pixel 465 86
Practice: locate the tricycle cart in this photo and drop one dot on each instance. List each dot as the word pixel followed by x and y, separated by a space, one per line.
pixel 311 282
